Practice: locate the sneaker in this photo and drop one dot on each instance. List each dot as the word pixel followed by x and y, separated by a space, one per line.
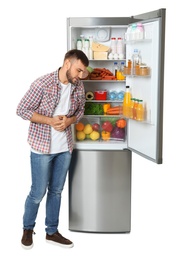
pixel 27 241
pixel 58 239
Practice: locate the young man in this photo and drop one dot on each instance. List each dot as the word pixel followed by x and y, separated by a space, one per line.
pixel 52 103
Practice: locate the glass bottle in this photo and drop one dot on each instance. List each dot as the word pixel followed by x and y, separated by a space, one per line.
pixel 115 69
pixel 131 108
pixel 135 108
pixel 140 110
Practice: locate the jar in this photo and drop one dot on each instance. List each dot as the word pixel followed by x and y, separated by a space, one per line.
pixel 144 71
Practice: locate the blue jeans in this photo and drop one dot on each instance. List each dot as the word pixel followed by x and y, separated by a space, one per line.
pixel 48 172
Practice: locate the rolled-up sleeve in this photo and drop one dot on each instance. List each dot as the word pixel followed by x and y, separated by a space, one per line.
pixel 30 102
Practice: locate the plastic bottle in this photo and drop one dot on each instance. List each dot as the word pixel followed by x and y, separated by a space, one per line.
pixel 131 108
pixel 140 110
pixel 127 102
pixel 113 45
pixel 90 47
pixel 120 72
pixel 120 48
pixel 83 41
pixel 86 47
pixel 140 31
pixel 133 31
pixel 128 33
pixel 136 61
pixel 79 44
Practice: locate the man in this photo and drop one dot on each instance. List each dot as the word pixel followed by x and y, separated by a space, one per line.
pixel 52 104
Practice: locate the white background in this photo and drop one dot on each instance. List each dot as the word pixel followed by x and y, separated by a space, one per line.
pixel 33 43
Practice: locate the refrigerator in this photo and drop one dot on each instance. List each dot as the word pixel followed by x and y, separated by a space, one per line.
pixel 100 171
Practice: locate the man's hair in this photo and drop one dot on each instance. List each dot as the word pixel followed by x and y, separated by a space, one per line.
pixel 77 54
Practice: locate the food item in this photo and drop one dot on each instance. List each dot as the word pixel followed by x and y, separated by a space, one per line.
pixel 101 73
pixel 118 133
pixel 106 107
pixel 100 55
pixel 89 95
pixel 100 95
pixel 107 126
pixel 105 135
pixel 117 110
pixel 93 109
pixel 79 126
pixel 80 135
pixel 95 135
pixel 97 47
pixel 96 126
pixel 88 129
pixel 90 69
pixel 121 123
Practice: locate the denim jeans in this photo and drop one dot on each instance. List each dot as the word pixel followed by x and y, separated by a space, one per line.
pixel 48 173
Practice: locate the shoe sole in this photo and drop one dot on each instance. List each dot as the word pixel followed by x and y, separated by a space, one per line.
pixel 27 247
pixel 58 244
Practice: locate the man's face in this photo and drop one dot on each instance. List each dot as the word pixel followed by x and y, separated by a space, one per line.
pixel 76 72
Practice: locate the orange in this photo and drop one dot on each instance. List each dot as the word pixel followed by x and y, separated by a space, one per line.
pixel 79 126
pixel 121 123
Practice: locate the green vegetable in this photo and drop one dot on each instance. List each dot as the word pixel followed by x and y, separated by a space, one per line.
pixel 93 109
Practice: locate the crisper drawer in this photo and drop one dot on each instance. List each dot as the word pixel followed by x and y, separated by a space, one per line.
pixel 101 129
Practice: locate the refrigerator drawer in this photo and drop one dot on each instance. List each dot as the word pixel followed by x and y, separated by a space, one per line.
pixel 100 191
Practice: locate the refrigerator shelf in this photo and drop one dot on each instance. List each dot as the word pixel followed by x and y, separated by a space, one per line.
pixel 105 81
pixel 104 101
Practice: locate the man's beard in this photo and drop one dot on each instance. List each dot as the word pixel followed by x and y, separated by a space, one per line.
pixel 74 81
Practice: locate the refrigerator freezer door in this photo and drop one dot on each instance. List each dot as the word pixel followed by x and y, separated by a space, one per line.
pixel 146 138
pixel 100 191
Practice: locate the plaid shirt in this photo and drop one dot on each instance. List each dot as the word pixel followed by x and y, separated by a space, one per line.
pixel 42 97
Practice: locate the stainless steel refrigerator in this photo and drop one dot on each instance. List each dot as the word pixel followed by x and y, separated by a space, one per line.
pixel 100 172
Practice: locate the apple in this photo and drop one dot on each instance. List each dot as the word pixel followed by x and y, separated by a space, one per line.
pixel 107 126
pixel 96 127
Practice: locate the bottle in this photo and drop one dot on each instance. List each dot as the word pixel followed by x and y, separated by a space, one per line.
pixel 82 37
pixel 79 44
pixel 90 47
pixel 135 108
pixel 136 61
pixel 127 101
pixel 120 72
pixel 128 33
pixel 140 110
pixel 131 108
pixel 113 45
pixel 86 47
pixel 139 31
pixel 115 69
pixel 120 48
pixel 133 31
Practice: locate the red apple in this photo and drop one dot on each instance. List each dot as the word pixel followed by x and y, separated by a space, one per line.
pixel 107 126
pixel 96 127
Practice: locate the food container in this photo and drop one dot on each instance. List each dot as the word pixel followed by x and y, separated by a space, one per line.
pixel 100 55
pixel 100 95
pixel 127 71
pixel 144 71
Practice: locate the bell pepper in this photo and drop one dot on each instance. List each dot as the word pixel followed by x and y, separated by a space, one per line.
pixel 106 107
pixel 105 135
